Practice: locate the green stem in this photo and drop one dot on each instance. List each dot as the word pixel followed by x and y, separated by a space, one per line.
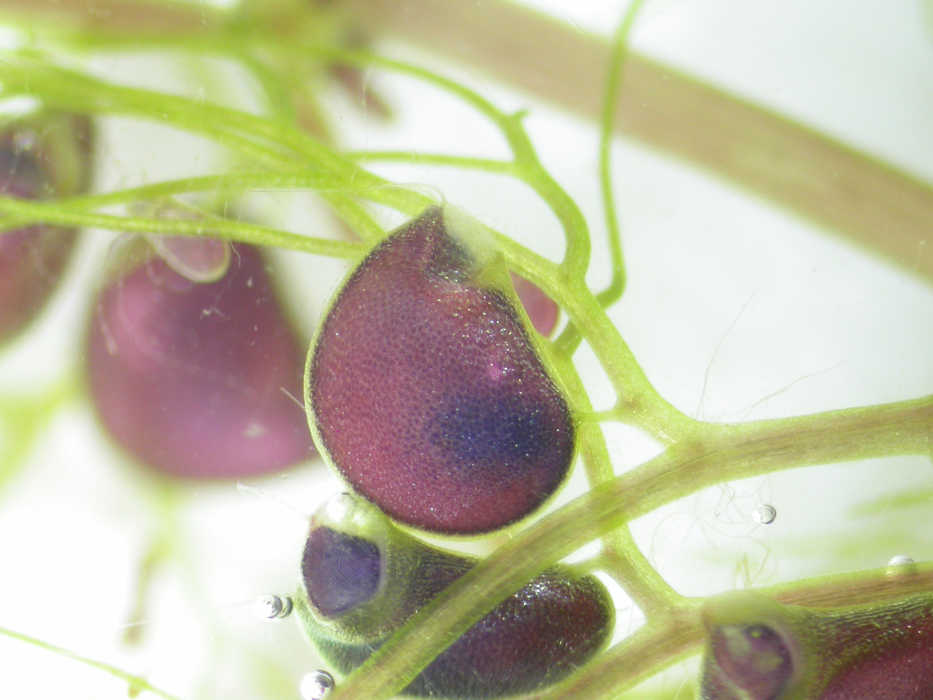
pixel 610 104
pixel 161 546
pixel 656 646
pixel 726 452
pixel 527 164
pixel 136 683
pixel 50 212
pixel 869 202
pixel 653 647
pixel 272 143
pixel 489 165
pixel 621 556
pixel 638 400
pixel 235 181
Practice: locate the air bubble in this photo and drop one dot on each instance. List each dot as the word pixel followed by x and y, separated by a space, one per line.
pixel 316 685
pixel 273 607
pixel 765 514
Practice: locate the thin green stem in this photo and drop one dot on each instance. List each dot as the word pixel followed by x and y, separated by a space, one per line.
pixel 527 165
pixel 71 90
pixel 49 212
pixel 571 337
pixel 278 97
pixel 621 556
pixel 235 181
pixel 610 106
pixel 272 143
pixel 637 397
pixel 359 221
pixel 164 497
pixel 136 683
pixel 229 42
pixel 490 165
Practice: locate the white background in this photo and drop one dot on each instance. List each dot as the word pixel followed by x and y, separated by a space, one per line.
pixel 729 301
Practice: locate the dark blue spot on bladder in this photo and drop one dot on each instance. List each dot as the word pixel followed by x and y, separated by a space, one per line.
pixel 485 431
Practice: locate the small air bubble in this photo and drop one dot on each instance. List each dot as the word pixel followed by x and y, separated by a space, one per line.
pixel 316 685
pixel 765 514
pixel 273 607
pixel 339 507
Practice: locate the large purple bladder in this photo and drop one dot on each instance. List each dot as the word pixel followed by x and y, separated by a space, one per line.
pixel 198 380
pixel 427 392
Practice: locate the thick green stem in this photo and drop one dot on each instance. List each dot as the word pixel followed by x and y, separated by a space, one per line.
pixel 655 646
pixel 724 452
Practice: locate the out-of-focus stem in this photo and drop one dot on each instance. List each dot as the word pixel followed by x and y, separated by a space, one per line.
pixel 876 206
pixel 137 684
pixel 155 16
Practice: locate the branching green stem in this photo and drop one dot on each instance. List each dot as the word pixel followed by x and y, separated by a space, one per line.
pixel 28 212
pixel 657 645
pixel 570 338
pixel 637 399
pixel 527 165
pixel 271 143
pixel 723 452
pixel 621 558
pixel 136 683
pixel 698 455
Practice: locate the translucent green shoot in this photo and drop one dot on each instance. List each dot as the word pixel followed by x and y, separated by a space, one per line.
pixel 136 684
pixel 610 102
pixel 23 419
